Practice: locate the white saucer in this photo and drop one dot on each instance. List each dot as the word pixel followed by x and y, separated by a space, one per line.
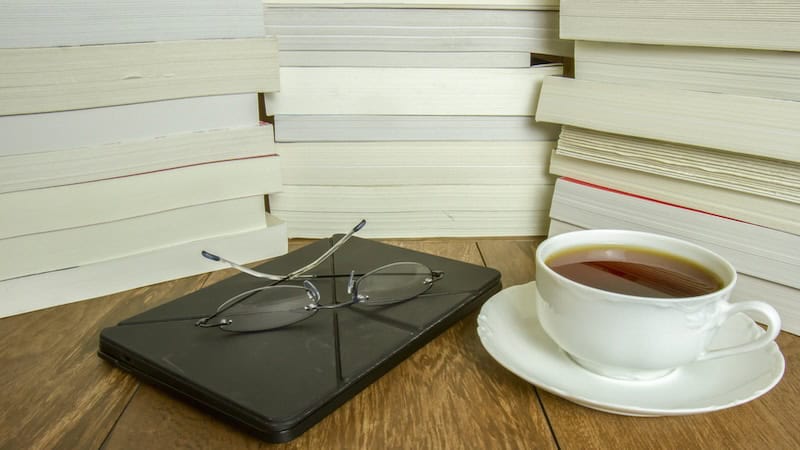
pixel 510 332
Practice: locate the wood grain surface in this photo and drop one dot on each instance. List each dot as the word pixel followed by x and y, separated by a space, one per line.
pixel 56 392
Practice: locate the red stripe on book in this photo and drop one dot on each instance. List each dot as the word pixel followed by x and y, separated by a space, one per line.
pixel 655 200
pixel 172 168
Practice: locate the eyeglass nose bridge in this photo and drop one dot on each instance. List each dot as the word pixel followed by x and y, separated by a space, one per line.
pixel 436 275
pixel 204 323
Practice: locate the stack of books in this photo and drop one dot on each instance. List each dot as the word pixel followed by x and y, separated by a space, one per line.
pixel 690 129
pixel 414 115
pixel 413 33
pixel 130 141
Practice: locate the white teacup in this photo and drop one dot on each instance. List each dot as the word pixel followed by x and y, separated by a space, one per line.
pixel 632 337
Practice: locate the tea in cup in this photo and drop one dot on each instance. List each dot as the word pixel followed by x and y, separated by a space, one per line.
pixel 636 306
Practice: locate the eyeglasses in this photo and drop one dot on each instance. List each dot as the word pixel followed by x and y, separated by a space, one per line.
pixel 275 306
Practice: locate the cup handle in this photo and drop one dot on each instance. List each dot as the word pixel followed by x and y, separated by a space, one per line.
pixel 771 318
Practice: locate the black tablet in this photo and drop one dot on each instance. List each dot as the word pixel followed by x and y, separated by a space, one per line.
pixel 278 383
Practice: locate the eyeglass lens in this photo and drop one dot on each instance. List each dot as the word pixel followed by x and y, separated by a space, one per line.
pixel 272 307
pixel 394 283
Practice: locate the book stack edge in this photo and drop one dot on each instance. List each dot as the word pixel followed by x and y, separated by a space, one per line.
pixel 424 109
pixel 689 129
pixel 127 149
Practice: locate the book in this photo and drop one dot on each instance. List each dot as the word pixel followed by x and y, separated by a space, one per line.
pixel 95 163
pixel 415 163
pixel 736 123
pixel 768 25
pixel 338 58
pixel 115 74
pixel 415 224
pixel 415 29
pixel 93 127
pixel 117 198
pixel 43 23
pixel 70 247
pixel 355 128
pixel 448 4
pixel 764 211
pixel 402 197
pixel 408 91
pixel 139 269
pixel 735 171
pixel 782 297
pixel 736 71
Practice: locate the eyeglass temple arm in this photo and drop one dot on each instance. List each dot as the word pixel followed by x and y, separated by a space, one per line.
pixel 240 268
pixel 297 273
pixel 328 253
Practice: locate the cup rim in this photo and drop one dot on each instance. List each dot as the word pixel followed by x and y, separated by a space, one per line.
pixel 730 280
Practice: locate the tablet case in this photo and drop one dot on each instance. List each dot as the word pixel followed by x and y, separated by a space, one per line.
pixel 276 384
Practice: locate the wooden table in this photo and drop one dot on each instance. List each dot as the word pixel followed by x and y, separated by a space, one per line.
pixel 56 392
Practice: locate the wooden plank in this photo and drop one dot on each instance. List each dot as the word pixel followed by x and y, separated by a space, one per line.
pixel 767 422
pixel 57 393
pixel 512 257
pixel 448 394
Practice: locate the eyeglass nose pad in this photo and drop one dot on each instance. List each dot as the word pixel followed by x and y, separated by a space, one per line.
pixel 312 291
pixel 351 282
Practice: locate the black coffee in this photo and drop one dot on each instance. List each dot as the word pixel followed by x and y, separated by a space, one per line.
pixel 634 271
